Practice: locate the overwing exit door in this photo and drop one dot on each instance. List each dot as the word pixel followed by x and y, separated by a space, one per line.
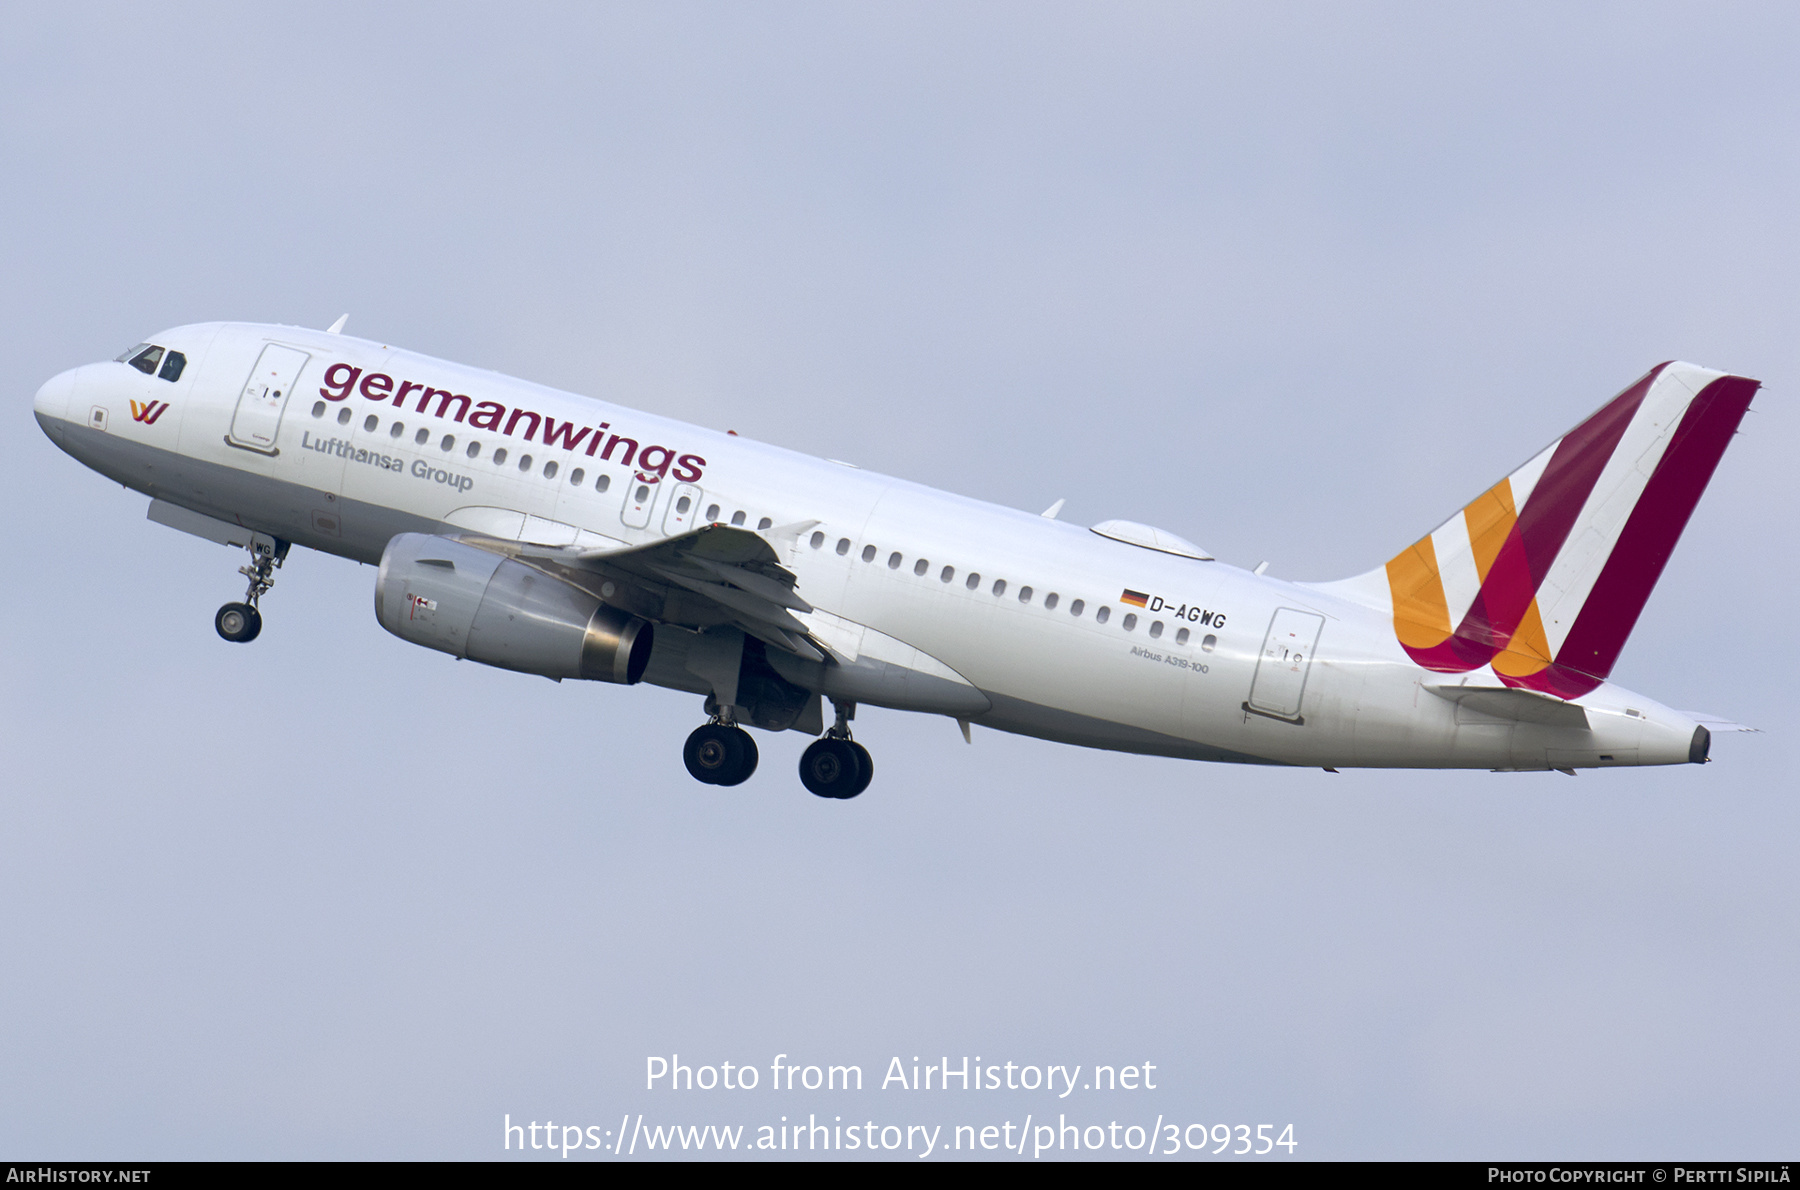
pixel 258 417
pixel 640 500
pixel 1281 670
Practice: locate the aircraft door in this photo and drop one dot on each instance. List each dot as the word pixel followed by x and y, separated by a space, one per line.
pixel 640 500
pixel 1287 655
pixel 258 417
pixel 683 510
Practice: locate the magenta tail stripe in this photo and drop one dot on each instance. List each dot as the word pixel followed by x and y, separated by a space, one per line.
pixel 1558 498
pixel 1651 531
pixel 1544 523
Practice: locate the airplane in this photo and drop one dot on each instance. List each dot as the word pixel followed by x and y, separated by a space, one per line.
pixel 553 534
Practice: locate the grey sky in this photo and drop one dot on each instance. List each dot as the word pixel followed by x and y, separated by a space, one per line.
pixel 1293 284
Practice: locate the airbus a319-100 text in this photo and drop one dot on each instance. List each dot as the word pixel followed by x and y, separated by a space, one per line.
pixel 558 535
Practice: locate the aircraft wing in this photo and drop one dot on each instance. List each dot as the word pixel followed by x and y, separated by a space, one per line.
pixel 708 576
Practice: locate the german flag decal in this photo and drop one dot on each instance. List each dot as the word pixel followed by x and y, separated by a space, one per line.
pixel 1134 598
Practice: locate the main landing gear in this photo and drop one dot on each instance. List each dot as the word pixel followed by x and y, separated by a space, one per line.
pixel 240 623
pixel 720 753
pixel 835 765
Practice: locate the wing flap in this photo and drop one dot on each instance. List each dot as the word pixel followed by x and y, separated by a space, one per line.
pixel 736 575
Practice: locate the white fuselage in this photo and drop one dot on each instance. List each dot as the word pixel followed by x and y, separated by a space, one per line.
pixel 1194 672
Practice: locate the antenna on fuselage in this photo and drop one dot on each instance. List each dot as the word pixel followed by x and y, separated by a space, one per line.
pixel 1051 512
pixel 338 326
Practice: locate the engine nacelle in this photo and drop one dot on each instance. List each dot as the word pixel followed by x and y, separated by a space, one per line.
pixel 467 602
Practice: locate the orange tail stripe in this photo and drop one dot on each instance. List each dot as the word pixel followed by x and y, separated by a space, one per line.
pixel 1490 517
pixel 1421 615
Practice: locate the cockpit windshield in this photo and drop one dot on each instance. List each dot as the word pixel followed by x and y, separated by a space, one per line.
pixel 145 356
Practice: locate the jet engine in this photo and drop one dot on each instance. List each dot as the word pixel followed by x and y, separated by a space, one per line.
pixel 450 596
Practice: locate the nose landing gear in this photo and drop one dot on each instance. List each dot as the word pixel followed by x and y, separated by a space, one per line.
pixel 836 766
pixel 240 623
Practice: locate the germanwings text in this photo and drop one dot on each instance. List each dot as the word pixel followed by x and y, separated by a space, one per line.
pixel 650 462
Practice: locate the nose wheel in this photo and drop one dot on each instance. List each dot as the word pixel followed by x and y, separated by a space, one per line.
pixel 720 753
pixel 241 623
pixel 238 623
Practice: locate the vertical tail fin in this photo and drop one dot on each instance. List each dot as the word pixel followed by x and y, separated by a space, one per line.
pixel 1543 575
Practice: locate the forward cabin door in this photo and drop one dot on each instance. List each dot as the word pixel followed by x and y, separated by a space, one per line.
pixel 1281 670
pixel 265 395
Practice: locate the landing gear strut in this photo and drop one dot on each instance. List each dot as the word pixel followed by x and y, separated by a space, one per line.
pixel 835 765
pixel 720 753
pixel 240 623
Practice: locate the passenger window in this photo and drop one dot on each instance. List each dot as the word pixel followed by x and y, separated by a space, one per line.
pixel 344 416
pixel 712 512
pixel 737 518
pixel 1181 636
pixel 1024 594
pixel 447 442
pixel 894 560
pixel 318 409
pixel 576 476
pixel 643 493
pixel 1103 615
pixel 525 463
pixel 1076 608
pixel 397 429
pixel 370 422
pixel 817 540
pixel 764 523
pixel 1129 623
pixel 999 587
pixel 550 469
pixel 1155 629
pixel 1207 642
pixel 474 451
pixel 683 504
pixel 422 437
pixel 843 546
pixel 172 366
pixel 868 553
pixel 146 360
pixel 500 456
pixel 948 573
pixel 604 482
pixel 1050 600
pixel 972 582
pixel 921 566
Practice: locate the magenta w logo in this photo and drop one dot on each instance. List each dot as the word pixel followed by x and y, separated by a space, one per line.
pixel 148 413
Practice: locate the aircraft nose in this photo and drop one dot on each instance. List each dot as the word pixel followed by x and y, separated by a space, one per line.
pixel 53 398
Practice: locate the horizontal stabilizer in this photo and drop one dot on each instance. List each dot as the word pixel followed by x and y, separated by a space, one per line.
pixel 1714 723
pixel 1510 702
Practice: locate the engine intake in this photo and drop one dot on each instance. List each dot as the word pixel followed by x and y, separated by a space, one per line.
pixel 458 599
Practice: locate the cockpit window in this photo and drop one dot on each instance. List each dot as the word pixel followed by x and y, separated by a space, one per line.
pixel 124 357
pixel 172 366
pixel 146 360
